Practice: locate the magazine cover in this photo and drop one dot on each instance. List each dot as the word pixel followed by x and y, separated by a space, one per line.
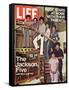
pixel 37 44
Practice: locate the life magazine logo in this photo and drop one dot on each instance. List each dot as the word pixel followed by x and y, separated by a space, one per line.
pixel 22 11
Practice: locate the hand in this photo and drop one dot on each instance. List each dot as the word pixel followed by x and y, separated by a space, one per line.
pixel 60 57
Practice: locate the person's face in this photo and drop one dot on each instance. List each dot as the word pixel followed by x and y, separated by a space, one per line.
pixel 53 55
pixel 35 20
pixel 57 46
pixel 53 29
pixel 28 18
pixel 46 19
pixel 41 21
pixel 47 26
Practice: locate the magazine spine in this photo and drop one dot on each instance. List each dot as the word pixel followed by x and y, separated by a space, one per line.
pixel 11 45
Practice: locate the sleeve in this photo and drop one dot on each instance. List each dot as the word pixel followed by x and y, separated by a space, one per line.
pixel 62 53
pixel 44 28
pixel 57 36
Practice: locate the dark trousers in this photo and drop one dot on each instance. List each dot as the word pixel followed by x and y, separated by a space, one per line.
pixel 60 70
pixel 46 49
pixel 51 45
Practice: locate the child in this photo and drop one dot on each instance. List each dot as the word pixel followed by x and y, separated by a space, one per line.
pixel 54 35
pixel 54 73
pixel 35 26
pixel 40 37
pixel 27 32
pixel 59 54
pixel 46 41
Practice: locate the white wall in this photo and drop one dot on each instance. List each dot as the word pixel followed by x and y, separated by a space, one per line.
pixel 4 44
pixel 62 36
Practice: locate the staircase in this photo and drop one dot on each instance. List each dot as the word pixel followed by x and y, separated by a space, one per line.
pixel 44 70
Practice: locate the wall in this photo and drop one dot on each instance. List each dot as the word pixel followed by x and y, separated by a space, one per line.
pixel 62 36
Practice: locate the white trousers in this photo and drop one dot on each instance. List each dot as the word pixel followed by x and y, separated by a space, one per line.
pixel 39 37
pixel 54 77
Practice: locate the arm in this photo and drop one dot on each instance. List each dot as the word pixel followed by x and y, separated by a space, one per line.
pixel 47 35
pixel 57 36
pixel 61 56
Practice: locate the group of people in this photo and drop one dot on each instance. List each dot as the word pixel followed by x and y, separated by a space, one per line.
pixel 56 63
pixel 45 31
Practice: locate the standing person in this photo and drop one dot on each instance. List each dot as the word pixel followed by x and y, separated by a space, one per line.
pixel 59 55
pixel 40 36
pixel 27 32
pixel 54 72
pixel 50 52
pixel 54 35
pixel 46 42
pixel 48 20
pixel 35 26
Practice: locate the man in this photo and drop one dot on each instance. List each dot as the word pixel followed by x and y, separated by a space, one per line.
pixel 54 72
pixel 59 55
pixel 40 36
pixel 48 20
pixel 35 26
pixel 27 32
pixel 54 35
pixel 46 42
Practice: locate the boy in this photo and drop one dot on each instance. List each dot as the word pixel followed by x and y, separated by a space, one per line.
pixel 40 37
pixel 54 35
pixel 59 55
pixel 35 26
pixel 46 42
pixel 54 72
pixel 27 32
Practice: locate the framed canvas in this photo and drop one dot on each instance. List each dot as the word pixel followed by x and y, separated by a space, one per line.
pixel 36 49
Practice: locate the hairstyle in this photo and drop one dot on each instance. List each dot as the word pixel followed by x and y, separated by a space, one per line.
pixel 52 53
pixel 54 26
pixel 35 18
pixel 41 18
pixel 57 43
pixel 48 24
pixel 28 16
